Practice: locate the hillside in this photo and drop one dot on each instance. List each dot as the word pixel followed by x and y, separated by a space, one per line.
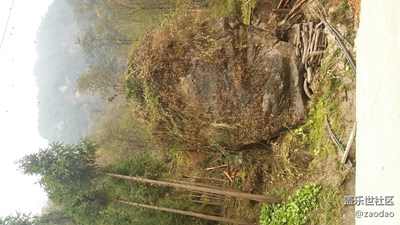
pixel 235 95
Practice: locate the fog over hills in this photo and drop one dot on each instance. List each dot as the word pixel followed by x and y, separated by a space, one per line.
pixel 64 113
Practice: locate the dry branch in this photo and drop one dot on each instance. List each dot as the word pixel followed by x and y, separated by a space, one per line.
pixel 216 167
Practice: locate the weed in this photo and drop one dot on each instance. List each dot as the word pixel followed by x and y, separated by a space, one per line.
pixel 222 8
pixel 295 211
pixel 247 7
pixel 329 207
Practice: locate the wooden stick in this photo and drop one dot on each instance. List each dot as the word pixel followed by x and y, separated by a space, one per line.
pixel 229 177
pixel 311 48
pixel 311 25
pixel 280 5
pixel 205 178
pixel 338 39
pixel 316 53
pixel 309 74
pixel 305 46
pixel 193 183
pixel 316 42
pixel 295 9
pixel 222 125
pixel 216 167
pixel 349 143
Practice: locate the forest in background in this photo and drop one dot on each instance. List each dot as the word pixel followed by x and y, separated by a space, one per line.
pixel 89 40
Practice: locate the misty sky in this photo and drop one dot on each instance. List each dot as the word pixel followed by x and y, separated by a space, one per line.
pixel 18 108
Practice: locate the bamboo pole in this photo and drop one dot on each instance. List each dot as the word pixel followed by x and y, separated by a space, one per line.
pixel 186 213
pixel 228 192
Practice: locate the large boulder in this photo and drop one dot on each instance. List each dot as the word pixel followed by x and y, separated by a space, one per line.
pixel 240 82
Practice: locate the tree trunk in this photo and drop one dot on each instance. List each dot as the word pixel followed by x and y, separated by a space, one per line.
pixel 230 192
pixel 186 213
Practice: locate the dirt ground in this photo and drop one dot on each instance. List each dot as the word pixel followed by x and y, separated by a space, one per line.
pixel 348 110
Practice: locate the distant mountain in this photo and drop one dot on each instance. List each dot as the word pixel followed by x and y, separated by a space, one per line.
pixel 63 112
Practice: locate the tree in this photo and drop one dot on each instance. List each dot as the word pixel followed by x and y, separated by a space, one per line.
pixel 69 175
pixel 62 163
pixel 18 219
pixel 89 40
pixel 96 79
pixel 58 217
pixel 72 179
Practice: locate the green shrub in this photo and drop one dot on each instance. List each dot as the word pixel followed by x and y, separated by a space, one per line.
pixel 295 211
pixel 144 165
pixel 141 165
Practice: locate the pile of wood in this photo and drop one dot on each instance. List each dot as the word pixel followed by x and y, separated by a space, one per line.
pixel 310 41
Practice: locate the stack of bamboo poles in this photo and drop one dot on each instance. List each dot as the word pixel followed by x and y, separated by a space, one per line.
pixel 310 41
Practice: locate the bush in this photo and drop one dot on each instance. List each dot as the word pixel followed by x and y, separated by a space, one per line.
pixel 295 211
pixel 143 165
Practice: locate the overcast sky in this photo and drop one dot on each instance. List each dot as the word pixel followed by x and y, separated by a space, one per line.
pixel 18 108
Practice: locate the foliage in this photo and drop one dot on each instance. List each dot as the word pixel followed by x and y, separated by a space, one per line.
pixel 121 134
pixel 144 93
pixel 120 215
pixel 125 215
pixel 73 181
pixel 55 217
pixel 329 207
pixel 247 6
pixel 223 7
pixel 143 165
pixel 295 211
pixel 62 163
pixel 18 219
pixel 69 175
pixel 181 204
pixel 96 80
